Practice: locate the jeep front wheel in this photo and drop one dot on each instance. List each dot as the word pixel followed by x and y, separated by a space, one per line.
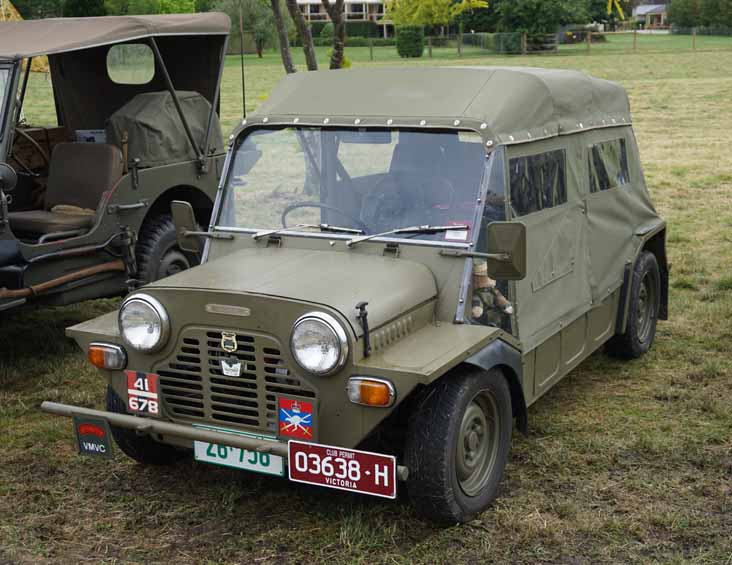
pixel 141 448
pixel 457 445
pixel 158 254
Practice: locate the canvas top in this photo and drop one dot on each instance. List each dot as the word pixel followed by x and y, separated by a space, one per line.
pixel 21 39
pixel 506 104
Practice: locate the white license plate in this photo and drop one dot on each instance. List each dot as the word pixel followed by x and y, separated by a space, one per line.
pixel 236 457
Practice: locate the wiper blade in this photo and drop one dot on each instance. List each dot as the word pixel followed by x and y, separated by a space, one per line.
pixel 412 230
pixel 321 227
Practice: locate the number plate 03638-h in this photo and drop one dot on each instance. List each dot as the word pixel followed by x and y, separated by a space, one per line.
pixel 343 469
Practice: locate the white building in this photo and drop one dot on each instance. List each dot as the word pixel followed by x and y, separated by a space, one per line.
pixel 356 11
pixel 652 15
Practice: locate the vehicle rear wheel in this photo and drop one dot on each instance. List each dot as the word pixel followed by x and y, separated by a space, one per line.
pixel 644 303
pixel 141 448
pixel 457 445
pixel 158 254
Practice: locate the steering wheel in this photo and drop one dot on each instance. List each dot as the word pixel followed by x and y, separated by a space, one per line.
pixel 37 147
pixel 297 205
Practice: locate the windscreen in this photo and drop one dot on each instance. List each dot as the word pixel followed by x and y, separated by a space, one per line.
pixel 368 180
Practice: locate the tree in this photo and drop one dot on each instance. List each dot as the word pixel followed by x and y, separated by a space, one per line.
pixel 84 8
pixel 598 12
pixel 537 17
pixel 139 7
pixel 177 6
pixel 429 12
pixel 256 17
pixel 684 13
pixel 283 39
pixel 303 31
pixel 337 13
pixel 204 5
pixel 117 7
pixel 36 9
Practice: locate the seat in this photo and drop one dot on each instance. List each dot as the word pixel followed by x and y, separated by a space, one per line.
pixel 79 174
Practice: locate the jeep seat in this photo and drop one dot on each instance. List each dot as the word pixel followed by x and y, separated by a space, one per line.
pixel 79 174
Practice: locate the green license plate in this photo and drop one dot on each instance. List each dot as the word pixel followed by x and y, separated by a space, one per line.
pixel 237 457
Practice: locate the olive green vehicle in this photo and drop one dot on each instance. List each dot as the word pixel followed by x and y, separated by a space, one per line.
pixel 85 200
pixel 400 262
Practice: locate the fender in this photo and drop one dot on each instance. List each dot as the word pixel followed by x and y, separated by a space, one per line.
pixel 651 238
pixel 498 354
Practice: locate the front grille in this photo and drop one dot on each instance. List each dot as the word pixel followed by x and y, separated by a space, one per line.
pixel 194 387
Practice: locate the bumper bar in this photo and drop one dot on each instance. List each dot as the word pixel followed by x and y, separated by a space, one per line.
pixel 151 426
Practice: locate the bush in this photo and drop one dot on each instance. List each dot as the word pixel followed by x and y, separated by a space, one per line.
pixel 410 40
pixel 327 32
pixel 507 43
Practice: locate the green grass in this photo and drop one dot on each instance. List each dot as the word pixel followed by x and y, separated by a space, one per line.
pixel 624 461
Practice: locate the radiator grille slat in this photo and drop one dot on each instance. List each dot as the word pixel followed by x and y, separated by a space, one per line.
pixel 194 388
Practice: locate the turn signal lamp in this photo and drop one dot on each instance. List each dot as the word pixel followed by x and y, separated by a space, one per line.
pixel 370 391
pixel 107 356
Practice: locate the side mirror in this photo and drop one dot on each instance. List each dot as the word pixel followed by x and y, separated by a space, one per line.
pixel 8 177
pixel 185 226
pixel 507 239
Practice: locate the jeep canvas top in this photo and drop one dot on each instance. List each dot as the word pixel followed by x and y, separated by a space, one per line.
pixel 400 262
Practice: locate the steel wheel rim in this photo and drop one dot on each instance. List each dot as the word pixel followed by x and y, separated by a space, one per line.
pixel 644 308
pixel 477 446
pixel 173 262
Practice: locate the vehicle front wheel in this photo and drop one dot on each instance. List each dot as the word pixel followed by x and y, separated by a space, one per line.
pixel 158 254
pixel 457 445
pixel 141 448
pixel 643 306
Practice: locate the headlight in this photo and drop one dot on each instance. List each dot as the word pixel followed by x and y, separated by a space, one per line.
pixel 143 323
pixel 319 343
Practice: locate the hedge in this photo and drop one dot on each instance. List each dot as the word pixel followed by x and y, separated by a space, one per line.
pixel 356 29
pixel 353 42
pixel 410 40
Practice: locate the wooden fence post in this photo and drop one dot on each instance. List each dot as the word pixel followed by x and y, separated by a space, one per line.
pixel 371 48
pixel 693 39
pixel 589 41
pixel 460 44
pixel 635 40
pixel 524 44
pixel 429 46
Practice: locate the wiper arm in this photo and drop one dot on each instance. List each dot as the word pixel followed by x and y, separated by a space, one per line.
pixel 321 227
pixel 402 231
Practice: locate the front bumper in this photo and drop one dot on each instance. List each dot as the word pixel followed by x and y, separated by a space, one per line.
pixel 152 426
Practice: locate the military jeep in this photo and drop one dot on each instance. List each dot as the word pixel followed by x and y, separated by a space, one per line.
pixel 85 197
pixel 400 263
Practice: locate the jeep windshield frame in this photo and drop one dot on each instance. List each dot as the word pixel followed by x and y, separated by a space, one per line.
pixel 6 78
pixel 373 178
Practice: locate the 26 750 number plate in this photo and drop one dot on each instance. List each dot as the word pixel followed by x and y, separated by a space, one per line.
pixel 343 469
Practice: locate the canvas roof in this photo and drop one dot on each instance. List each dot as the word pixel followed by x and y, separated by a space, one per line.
pixel 506 104
pixel 30 38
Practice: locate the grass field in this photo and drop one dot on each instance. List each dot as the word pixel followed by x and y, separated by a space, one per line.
pixel 624 461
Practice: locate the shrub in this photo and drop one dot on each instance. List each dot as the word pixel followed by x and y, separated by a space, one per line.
pixel 328 31
pixel 410 40
pixel 345 64
pixel 507 43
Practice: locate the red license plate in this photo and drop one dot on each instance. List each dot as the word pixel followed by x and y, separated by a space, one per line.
pixel 344 469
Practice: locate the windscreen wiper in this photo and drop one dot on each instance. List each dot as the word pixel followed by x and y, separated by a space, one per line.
pixel 321 227
pixel 413 230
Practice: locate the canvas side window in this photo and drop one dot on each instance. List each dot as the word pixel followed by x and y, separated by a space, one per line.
pixel 131 63
pixel 608 165
pixel 538 182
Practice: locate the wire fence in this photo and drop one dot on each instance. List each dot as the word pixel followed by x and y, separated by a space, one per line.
pixel 677 40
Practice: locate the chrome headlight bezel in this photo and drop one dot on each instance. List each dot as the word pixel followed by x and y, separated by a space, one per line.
pixel 338 332
pixel 161 313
